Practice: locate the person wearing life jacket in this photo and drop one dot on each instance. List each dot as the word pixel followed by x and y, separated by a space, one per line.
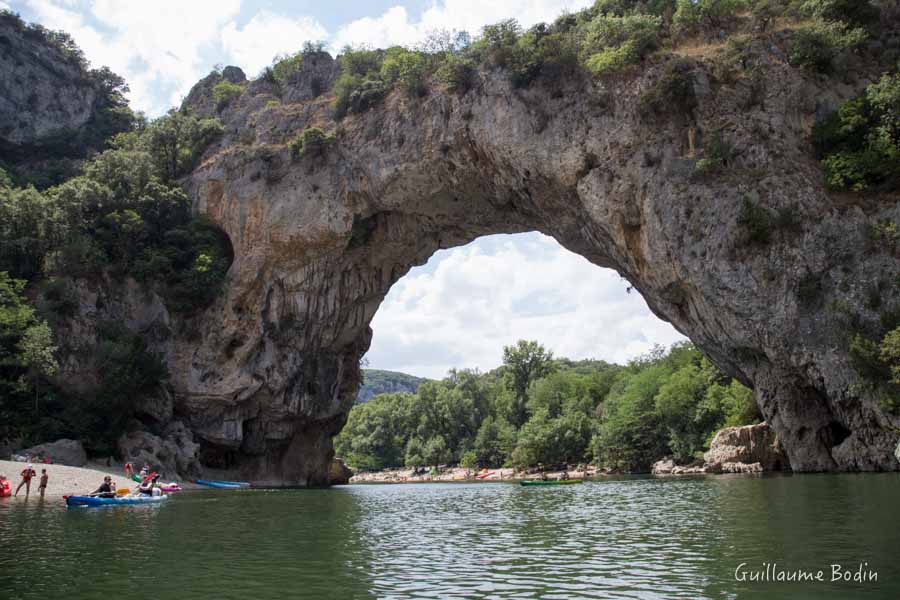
pixel 149 484
pixel 5 487
pixel 106 489
pixel 27 473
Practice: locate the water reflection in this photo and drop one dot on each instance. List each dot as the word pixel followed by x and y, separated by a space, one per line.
pixel 617 538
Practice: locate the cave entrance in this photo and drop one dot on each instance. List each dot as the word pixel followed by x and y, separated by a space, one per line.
pixel 466 303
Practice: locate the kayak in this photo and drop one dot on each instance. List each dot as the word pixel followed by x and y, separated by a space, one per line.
pixel 551 482
pixel 119 501
pixel 226 485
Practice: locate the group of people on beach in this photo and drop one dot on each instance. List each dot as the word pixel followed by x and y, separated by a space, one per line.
pixel 148 483
pixel 28 473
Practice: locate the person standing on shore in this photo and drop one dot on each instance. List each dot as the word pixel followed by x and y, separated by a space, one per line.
pixel 44 478
pixel 27 473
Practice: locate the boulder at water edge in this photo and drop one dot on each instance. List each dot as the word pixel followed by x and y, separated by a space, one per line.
pixel 746 445
pixel 174 456
pixel 61 452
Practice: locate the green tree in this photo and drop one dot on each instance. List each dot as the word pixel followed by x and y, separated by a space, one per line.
pixel 631 435
pixel 37 351
pixel 525 362
pixel 494 442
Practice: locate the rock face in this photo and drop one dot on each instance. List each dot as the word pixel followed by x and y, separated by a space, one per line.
pixel 265 377
pixel 663 466
pixel 750 444
pixel 62 452
pixel 747 449
pixel 42 92
pixel 174 455
pixel 339 473
pixel 316 74
pixel 52 107
pixel 318 242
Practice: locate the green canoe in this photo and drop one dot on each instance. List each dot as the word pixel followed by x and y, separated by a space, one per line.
pixel 551 482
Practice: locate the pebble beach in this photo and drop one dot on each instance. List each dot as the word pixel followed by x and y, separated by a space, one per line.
pixel 63 480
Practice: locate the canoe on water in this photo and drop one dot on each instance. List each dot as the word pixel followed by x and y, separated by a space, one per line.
pixel 226 485
pixel 551 482
pixel 118 501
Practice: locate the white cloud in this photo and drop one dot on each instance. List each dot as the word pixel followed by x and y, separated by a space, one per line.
pixel 4 5
pixel 478 298
pixel 163 47
pixel 267 34
pixel 157 46
pixel 394 26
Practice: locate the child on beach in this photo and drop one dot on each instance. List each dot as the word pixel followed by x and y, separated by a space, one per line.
pixel 27 473
pixel 44 479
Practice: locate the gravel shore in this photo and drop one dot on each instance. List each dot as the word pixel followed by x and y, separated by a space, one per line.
pixel 461 474
pixel 63 480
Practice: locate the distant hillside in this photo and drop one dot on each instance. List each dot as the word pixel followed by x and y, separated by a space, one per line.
pixel 377 382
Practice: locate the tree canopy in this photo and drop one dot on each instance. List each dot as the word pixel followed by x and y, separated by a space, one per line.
pixel 537 410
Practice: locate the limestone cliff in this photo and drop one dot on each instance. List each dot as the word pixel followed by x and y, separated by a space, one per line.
pixel 265 377
pixel 319 240
pixel 54 110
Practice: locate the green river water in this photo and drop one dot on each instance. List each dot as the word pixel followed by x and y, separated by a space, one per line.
pixel 635 537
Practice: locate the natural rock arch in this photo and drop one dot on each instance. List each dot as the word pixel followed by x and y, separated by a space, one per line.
pixel 269 373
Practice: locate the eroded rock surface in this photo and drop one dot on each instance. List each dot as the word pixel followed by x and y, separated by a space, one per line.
pixel 63 452
pixel 174 454
pixel 748 445
pixel 319 240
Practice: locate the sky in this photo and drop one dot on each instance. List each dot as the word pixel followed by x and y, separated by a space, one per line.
pixel 458 310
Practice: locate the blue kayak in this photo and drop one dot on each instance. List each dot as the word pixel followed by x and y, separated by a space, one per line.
pixel 118 501
pixel 226 485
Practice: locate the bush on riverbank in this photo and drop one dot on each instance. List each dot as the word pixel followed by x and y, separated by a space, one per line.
pixel 539 410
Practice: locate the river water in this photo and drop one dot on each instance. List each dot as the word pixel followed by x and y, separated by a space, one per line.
pixel 632 537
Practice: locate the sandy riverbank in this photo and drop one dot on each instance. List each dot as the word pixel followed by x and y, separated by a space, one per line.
pixel 461 474
pixel 66 480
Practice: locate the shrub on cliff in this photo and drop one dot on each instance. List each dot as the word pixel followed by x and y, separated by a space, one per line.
pixel 312 142
pixel 889 352
pixel 458 73
pixel 717 154
pixel 859 144
pixel 285 66
pixel 672 94
pixel 817 45
pixel 754 224
pixel 176 142
pixel 859 12
pixel 359 86
pixel 224 92
pixel 405 68
pixel 613 42
pixel 691 15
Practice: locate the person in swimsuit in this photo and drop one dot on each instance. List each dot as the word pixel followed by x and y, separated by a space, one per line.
pixel 27 473
pixel 44 478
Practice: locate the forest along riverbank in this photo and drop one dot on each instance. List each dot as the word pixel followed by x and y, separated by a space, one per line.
pixel 749 449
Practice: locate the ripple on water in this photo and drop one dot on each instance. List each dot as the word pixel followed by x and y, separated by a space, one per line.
pixel 617 538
